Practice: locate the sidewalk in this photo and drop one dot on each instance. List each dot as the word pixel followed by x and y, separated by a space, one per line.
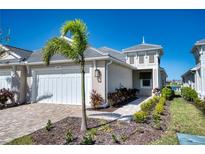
pixel 124 113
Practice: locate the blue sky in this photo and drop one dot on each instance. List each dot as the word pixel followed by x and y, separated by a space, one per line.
pixel 175 30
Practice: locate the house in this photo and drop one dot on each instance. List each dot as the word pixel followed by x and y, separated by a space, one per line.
pixel 106 69
pixel 195 77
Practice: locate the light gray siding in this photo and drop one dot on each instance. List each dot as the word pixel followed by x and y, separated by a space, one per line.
pixel 119 76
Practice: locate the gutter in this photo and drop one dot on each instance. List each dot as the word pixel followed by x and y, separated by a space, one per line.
pixel 106 81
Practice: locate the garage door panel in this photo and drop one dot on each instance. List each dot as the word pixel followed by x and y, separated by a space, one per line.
pixel 61 88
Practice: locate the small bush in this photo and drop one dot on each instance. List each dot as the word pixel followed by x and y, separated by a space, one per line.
pixel 49 125
pixel 155 99
pixel 189 94
pixel 5 95
pixel 198 102
pixel 203 108
pixel 147 106
pixel 140 116
pixel 93 132
pixel 162 100
pixel 159 108
pixel 87 139
pixel 69 136
pixel 96 99
pixel 120 95
pixel 156 116
pixel 168 93
pixel 114 139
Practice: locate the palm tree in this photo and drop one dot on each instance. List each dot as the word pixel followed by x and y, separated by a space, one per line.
pixel 72 49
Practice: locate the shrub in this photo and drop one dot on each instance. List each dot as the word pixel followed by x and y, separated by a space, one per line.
pixel 140 116
pixel 159 108
pixel 120 95
pixel 198 102
pixel 114 139
pixel 96 99
pixel 49 125
pixel 156 116
pixel 69 136
pixel 93 132
pixel 5 95
pixel 155 99
pixel 147 106
pixel 168 93
pixel 189 94
pixel 87 139
pixel 162 100
pixel 203 108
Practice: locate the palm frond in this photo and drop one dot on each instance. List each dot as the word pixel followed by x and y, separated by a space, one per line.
pixel 78 30
pixel 55 46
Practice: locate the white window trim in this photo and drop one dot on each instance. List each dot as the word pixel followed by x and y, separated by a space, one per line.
pixel 145 87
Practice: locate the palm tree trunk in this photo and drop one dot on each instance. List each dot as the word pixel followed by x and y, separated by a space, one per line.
pixel 84 119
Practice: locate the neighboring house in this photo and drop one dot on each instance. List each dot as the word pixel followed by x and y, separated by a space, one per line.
pixel 195 77
pixel 106 69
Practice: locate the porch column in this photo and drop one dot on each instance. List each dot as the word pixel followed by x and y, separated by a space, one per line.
pixel 202 59
pixel 195 81
pixel 13 78
pixel 155 74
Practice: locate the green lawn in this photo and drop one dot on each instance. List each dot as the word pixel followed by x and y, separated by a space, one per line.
pixel 25 140
pixel 185 118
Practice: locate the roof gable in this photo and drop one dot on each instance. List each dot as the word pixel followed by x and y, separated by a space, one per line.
pixel 142 47
pixel 113 53
pixel 10 54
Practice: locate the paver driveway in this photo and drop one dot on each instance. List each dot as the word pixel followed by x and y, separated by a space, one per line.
pixel 22 120
pixel 25 119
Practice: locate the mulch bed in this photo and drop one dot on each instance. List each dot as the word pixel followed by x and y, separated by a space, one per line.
pixel 127 133
pixel 114 107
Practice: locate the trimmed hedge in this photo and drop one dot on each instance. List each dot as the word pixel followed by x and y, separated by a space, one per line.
pixel 189 94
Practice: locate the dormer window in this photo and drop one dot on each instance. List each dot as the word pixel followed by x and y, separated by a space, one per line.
pixel 131 59
pixel 141 59
pixel 151 58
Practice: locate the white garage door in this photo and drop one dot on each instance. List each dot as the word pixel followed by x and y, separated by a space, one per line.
pixel 61 87
pixel 5 80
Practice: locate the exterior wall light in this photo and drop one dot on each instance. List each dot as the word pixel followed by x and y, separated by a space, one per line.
pixel 97 73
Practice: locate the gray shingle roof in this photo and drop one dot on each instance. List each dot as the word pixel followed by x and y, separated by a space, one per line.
pixel 23 53
pixel 142 47
pixel 10 61
pixel 19 51
pixel 89 53
pixel 114 53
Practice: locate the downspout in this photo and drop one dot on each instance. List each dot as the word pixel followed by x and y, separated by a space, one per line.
pixel 106 81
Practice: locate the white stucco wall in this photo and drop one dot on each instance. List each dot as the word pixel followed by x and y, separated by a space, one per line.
pixel 119 76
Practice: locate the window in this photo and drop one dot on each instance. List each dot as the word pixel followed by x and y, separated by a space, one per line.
pixel 141 59
pixel 145 79
pixel 146 82
pixel 151 58
pixel 131 59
